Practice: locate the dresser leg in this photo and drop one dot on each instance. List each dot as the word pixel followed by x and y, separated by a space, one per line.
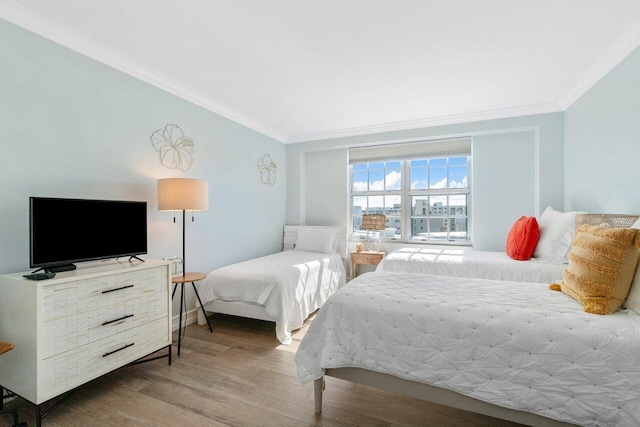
pixel 38 416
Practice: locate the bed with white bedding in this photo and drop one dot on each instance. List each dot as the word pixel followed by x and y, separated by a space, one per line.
pixel 285 287
pixel 468 262
pixel 508 349
pixel 548 261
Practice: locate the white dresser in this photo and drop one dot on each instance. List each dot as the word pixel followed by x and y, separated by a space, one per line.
pixel 81 324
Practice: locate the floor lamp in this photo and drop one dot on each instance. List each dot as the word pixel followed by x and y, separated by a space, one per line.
pixel 184 194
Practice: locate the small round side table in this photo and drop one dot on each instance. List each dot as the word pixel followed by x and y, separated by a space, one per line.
pixel 181 280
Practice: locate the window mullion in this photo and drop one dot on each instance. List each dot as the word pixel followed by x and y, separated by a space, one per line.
pixel 405 221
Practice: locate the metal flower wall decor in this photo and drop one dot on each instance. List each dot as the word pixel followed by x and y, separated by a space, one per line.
pixel 175 149
pixel 267 169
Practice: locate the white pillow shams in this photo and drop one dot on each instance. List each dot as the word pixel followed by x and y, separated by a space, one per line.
pixel 557 229
pixel 317 239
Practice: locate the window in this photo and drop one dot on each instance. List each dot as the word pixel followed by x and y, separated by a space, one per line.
pixel 425 192
pixel 377 189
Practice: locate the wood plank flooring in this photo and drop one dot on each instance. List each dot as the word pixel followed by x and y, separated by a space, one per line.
pixel 239 375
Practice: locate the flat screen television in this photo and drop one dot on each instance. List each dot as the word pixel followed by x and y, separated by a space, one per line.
pixel 65 231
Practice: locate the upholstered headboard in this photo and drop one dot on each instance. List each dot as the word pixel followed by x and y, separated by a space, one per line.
pixel 291 234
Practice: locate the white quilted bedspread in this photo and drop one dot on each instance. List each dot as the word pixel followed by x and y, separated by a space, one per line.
pixel 468 262
pixel 518 345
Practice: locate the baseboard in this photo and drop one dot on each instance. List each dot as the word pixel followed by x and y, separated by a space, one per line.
pixel 192 317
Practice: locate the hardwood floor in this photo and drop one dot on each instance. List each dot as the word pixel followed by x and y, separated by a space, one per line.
pixel 239 375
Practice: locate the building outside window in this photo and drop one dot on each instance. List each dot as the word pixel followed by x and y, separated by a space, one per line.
pixel 424 191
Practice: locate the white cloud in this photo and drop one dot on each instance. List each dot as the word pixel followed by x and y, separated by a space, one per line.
pixel 393 181
pixel 360 186
pixel 461 184
pixel 442 184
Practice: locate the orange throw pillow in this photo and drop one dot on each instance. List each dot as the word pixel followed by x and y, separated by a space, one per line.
pixel 522 238
pixel 602 263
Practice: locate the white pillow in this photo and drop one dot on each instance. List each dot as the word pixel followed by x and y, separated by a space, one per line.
pixel 556 232
pixel 317 239
pixel 633 299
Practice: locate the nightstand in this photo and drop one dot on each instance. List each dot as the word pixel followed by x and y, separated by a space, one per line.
pixel 364 257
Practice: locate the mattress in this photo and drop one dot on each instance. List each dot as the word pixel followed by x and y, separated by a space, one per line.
pixel 290 285
pixel 468 262
pixel 516 345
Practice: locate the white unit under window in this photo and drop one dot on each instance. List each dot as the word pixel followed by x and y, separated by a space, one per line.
pixel 81 324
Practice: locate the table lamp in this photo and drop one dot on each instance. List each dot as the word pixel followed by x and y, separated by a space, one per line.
pixel 373 223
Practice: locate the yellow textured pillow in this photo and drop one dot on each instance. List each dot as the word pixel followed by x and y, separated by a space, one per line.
pixel 602 262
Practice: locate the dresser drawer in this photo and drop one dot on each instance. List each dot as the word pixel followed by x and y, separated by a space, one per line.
pixel 70 298
pixel 367 258
pixel 72 368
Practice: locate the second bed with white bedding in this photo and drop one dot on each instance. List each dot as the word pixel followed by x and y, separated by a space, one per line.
pixel 290 285
pixel 468 262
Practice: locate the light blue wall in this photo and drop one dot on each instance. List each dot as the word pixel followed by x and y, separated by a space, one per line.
pixel 522 155
pixel 504 186
pixel 326 204
pixel 73 127
pixel 602 144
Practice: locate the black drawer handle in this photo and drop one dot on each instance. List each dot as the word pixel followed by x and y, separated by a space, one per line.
pixel 117 289
pixel 115 351
pixel 115 320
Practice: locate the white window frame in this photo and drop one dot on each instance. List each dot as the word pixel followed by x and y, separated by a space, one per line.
pixel 406 194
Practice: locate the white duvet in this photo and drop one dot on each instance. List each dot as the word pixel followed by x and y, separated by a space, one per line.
pixel 468 262
pixel 290 285
pixel 518 345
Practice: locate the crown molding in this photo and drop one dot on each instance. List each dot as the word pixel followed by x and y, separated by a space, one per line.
pixel 626 44
pixel 19 15
pixel 27 19
pixel 551 107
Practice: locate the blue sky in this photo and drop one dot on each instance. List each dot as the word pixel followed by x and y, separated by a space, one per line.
pixel 425 174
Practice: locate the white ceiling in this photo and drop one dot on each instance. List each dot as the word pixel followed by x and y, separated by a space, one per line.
pixel 299 70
